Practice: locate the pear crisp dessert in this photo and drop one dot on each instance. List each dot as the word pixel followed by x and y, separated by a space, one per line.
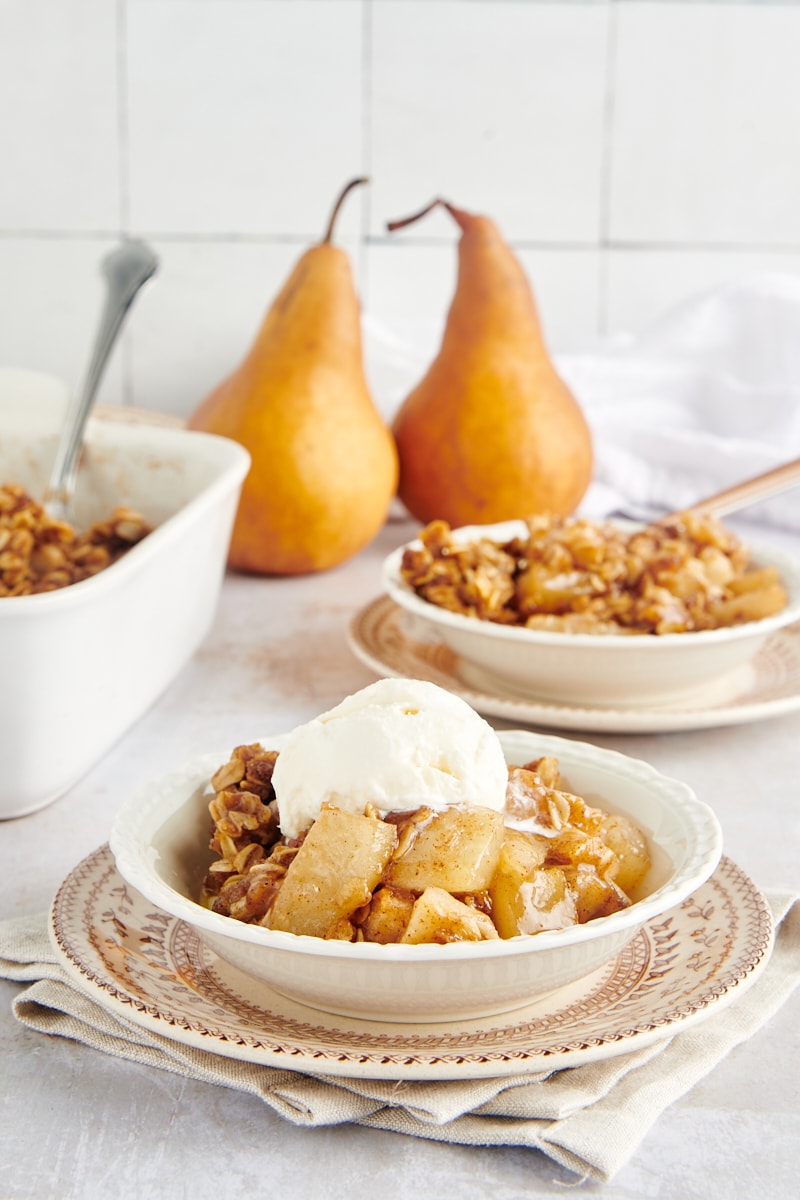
pixel 460 873
pixel 41 554
pixel 683 574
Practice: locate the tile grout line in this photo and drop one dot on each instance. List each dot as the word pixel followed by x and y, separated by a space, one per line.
pixel 122 116
pixel 606 168
pixel 123 158
pixel 646 246
pixel 366 148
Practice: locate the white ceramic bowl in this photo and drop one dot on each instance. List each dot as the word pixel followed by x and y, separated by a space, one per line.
pixel 80 665
pixel 160 842
pixel 595 669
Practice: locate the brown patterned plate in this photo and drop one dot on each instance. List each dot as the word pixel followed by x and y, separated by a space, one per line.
pixel 153 970
pixel 385 638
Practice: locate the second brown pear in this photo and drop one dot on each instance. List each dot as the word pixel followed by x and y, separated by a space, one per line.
pixel 324 464
pixel 491 432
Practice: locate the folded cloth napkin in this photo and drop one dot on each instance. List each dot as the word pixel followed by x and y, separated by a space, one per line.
pixel 589 1119
pixel 707 396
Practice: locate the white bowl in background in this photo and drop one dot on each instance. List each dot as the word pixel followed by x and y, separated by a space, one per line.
pixel 160 842
pixel 78 666
pixel 602 670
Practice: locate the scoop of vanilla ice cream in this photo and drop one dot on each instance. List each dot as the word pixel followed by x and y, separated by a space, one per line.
pixel 397 744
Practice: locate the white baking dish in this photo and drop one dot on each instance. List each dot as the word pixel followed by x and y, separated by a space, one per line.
pixel 78 666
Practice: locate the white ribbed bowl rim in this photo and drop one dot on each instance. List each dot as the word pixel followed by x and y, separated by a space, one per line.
pixel 140 817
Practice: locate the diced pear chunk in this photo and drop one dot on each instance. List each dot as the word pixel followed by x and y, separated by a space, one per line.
pixel 333 873
pixel 388 916
pixel 630 847
pixel 457 850
pixel 526 896
pixel 594 897
pixel 439 917
pixel 520 856
pixel 573 846
pixel 547 902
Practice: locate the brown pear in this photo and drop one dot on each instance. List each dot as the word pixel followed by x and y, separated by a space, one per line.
pixel 324 464
pixel 491 432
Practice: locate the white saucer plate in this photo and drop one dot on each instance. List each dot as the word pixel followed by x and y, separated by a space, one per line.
pixel 153 971
pixel 388 641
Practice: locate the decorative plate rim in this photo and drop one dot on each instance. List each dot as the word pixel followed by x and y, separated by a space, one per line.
pixel 244 1020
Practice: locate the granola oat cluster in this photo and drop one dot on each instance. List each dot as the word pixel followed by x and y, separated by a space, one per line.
pixel 684 574
pixel 243 882
pixel 41 554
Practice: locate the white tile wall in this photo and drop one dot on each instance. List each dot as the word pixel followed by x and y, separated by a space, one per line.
pixel 59 116
pixel 706 125
pixel 644 283
pixel 196 323
pixel 244 117
pixel 50 302
pixel 633 153
pixel 497 106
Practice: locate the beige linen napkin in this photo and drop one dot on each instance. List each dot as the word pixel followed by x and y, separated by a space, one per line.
pixel 589 1119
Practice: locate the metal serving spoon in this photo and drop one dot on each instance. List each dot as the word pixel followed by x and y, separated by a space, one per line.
pixel 126 269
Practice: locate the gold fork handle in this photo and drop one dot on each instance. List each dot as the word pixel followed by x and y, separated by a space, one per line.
pixel 731 499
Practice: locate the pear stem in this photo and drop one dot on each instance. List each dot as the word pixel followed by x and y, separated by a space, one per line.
pixel 456 213
pixel 354 183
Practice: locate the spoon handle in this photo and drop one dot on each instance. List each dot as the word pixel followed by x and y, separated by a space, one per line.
pixel 750 490
pixel 126 269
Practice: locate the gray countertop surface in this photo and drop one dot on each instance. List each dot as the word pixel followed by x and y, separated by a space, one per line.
pixel 79 1124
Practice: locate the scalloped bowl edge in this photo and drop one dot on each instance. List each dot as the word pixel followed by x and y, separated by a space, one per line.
pixel 593 669
pixel 159 841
